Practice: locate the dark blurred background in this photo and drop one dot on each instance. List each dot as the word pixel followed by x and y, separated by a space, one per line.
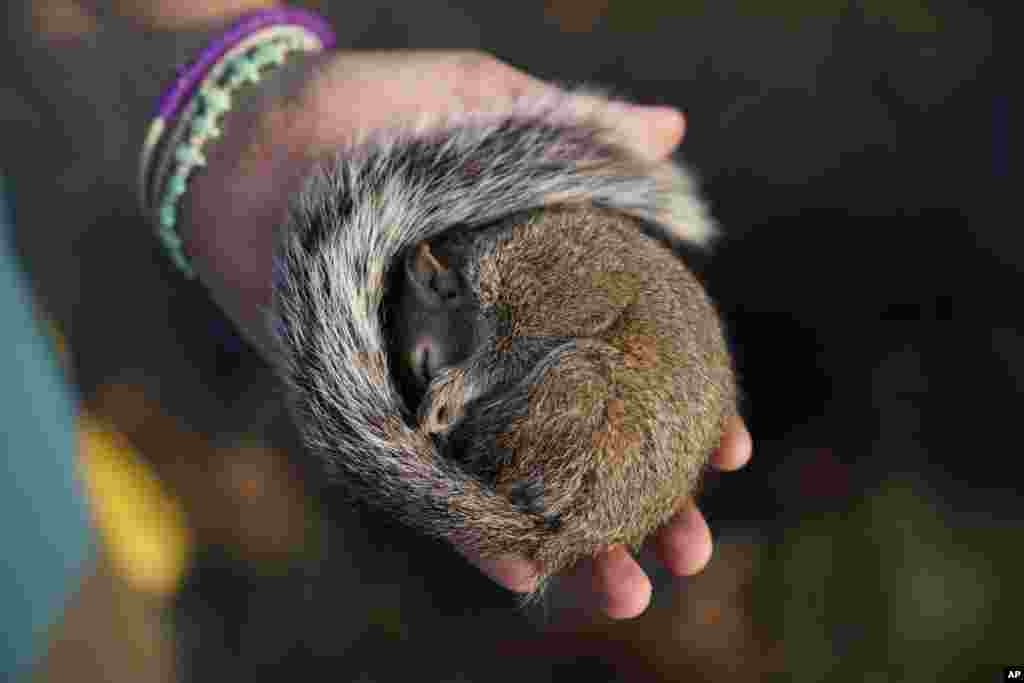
pixel 856 155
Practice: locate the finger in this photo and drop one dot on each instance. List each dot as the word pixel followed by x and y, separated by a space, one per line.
pixel 684 544
pixel 651 132
pixel 736 448
pixel 622 587
pixel 613 583
pixel 514 573
pixel 654 131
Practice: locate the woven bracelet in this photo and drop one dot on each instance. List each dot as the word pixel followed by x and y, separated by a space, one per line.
pixel 189 112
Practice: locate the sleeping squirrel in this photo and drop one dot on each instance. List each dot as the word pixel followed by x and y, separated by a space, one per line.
pixel 485 332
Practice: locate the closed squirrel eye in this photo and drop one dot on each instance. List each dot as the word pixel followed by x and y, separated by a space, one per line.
pixel 422 366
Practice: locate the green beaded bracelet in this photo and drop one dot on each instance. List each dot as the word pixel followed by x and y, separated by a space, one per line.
pixel 170 158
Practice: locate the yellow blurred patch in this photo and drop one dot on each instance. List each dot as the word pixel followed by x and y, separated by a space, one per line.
pixel 142 526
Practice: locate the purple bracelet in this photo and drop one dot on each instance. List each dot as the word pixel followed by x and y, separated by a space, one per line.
pixel 189 75
pixel 173 101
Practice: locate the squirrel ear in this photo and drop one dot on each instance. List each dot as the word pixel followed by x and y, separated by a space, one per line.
pixel 432 278
pixel 424 263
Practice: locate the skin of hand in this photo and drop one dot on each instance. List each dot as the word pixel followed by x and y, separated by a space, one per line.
pixel 234 206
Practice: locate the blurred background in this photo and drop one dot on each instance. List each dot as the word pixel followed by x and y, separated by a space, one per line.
pixel 856 154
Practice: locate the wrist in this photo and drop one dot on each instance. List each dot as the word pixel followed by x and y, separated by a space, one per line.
pixel 230 214
pixel 190 113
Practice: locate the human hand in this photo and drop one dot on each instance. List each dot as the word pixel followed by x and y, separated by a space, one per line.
pixel 271 143
pixel 234 207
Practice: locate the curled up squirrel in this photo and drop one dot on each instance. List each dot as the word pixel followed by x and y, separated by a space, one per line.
pixel 483 331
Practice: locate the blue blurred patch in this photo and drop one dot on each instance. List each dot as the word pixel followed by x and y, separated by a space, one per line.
pixel 45 528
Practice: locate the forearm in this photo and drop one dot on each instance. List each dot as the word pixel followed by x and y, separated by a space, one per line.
pixel 93 73
pixel 90 97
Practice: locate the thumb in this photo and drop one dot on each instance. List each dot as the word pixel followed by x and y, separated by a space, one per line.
pixel 654 132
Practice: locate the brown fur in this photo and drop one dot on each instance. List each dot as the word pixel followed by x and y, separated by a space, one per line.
pixel 586 411
pixel 617 432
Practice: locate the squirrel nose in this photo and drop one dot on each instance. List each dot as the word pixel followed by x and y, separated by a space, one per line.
pixel 426 361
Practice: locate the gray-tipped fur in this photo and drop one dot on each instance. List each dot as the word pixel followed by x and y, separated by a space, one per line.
pixel 357 214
